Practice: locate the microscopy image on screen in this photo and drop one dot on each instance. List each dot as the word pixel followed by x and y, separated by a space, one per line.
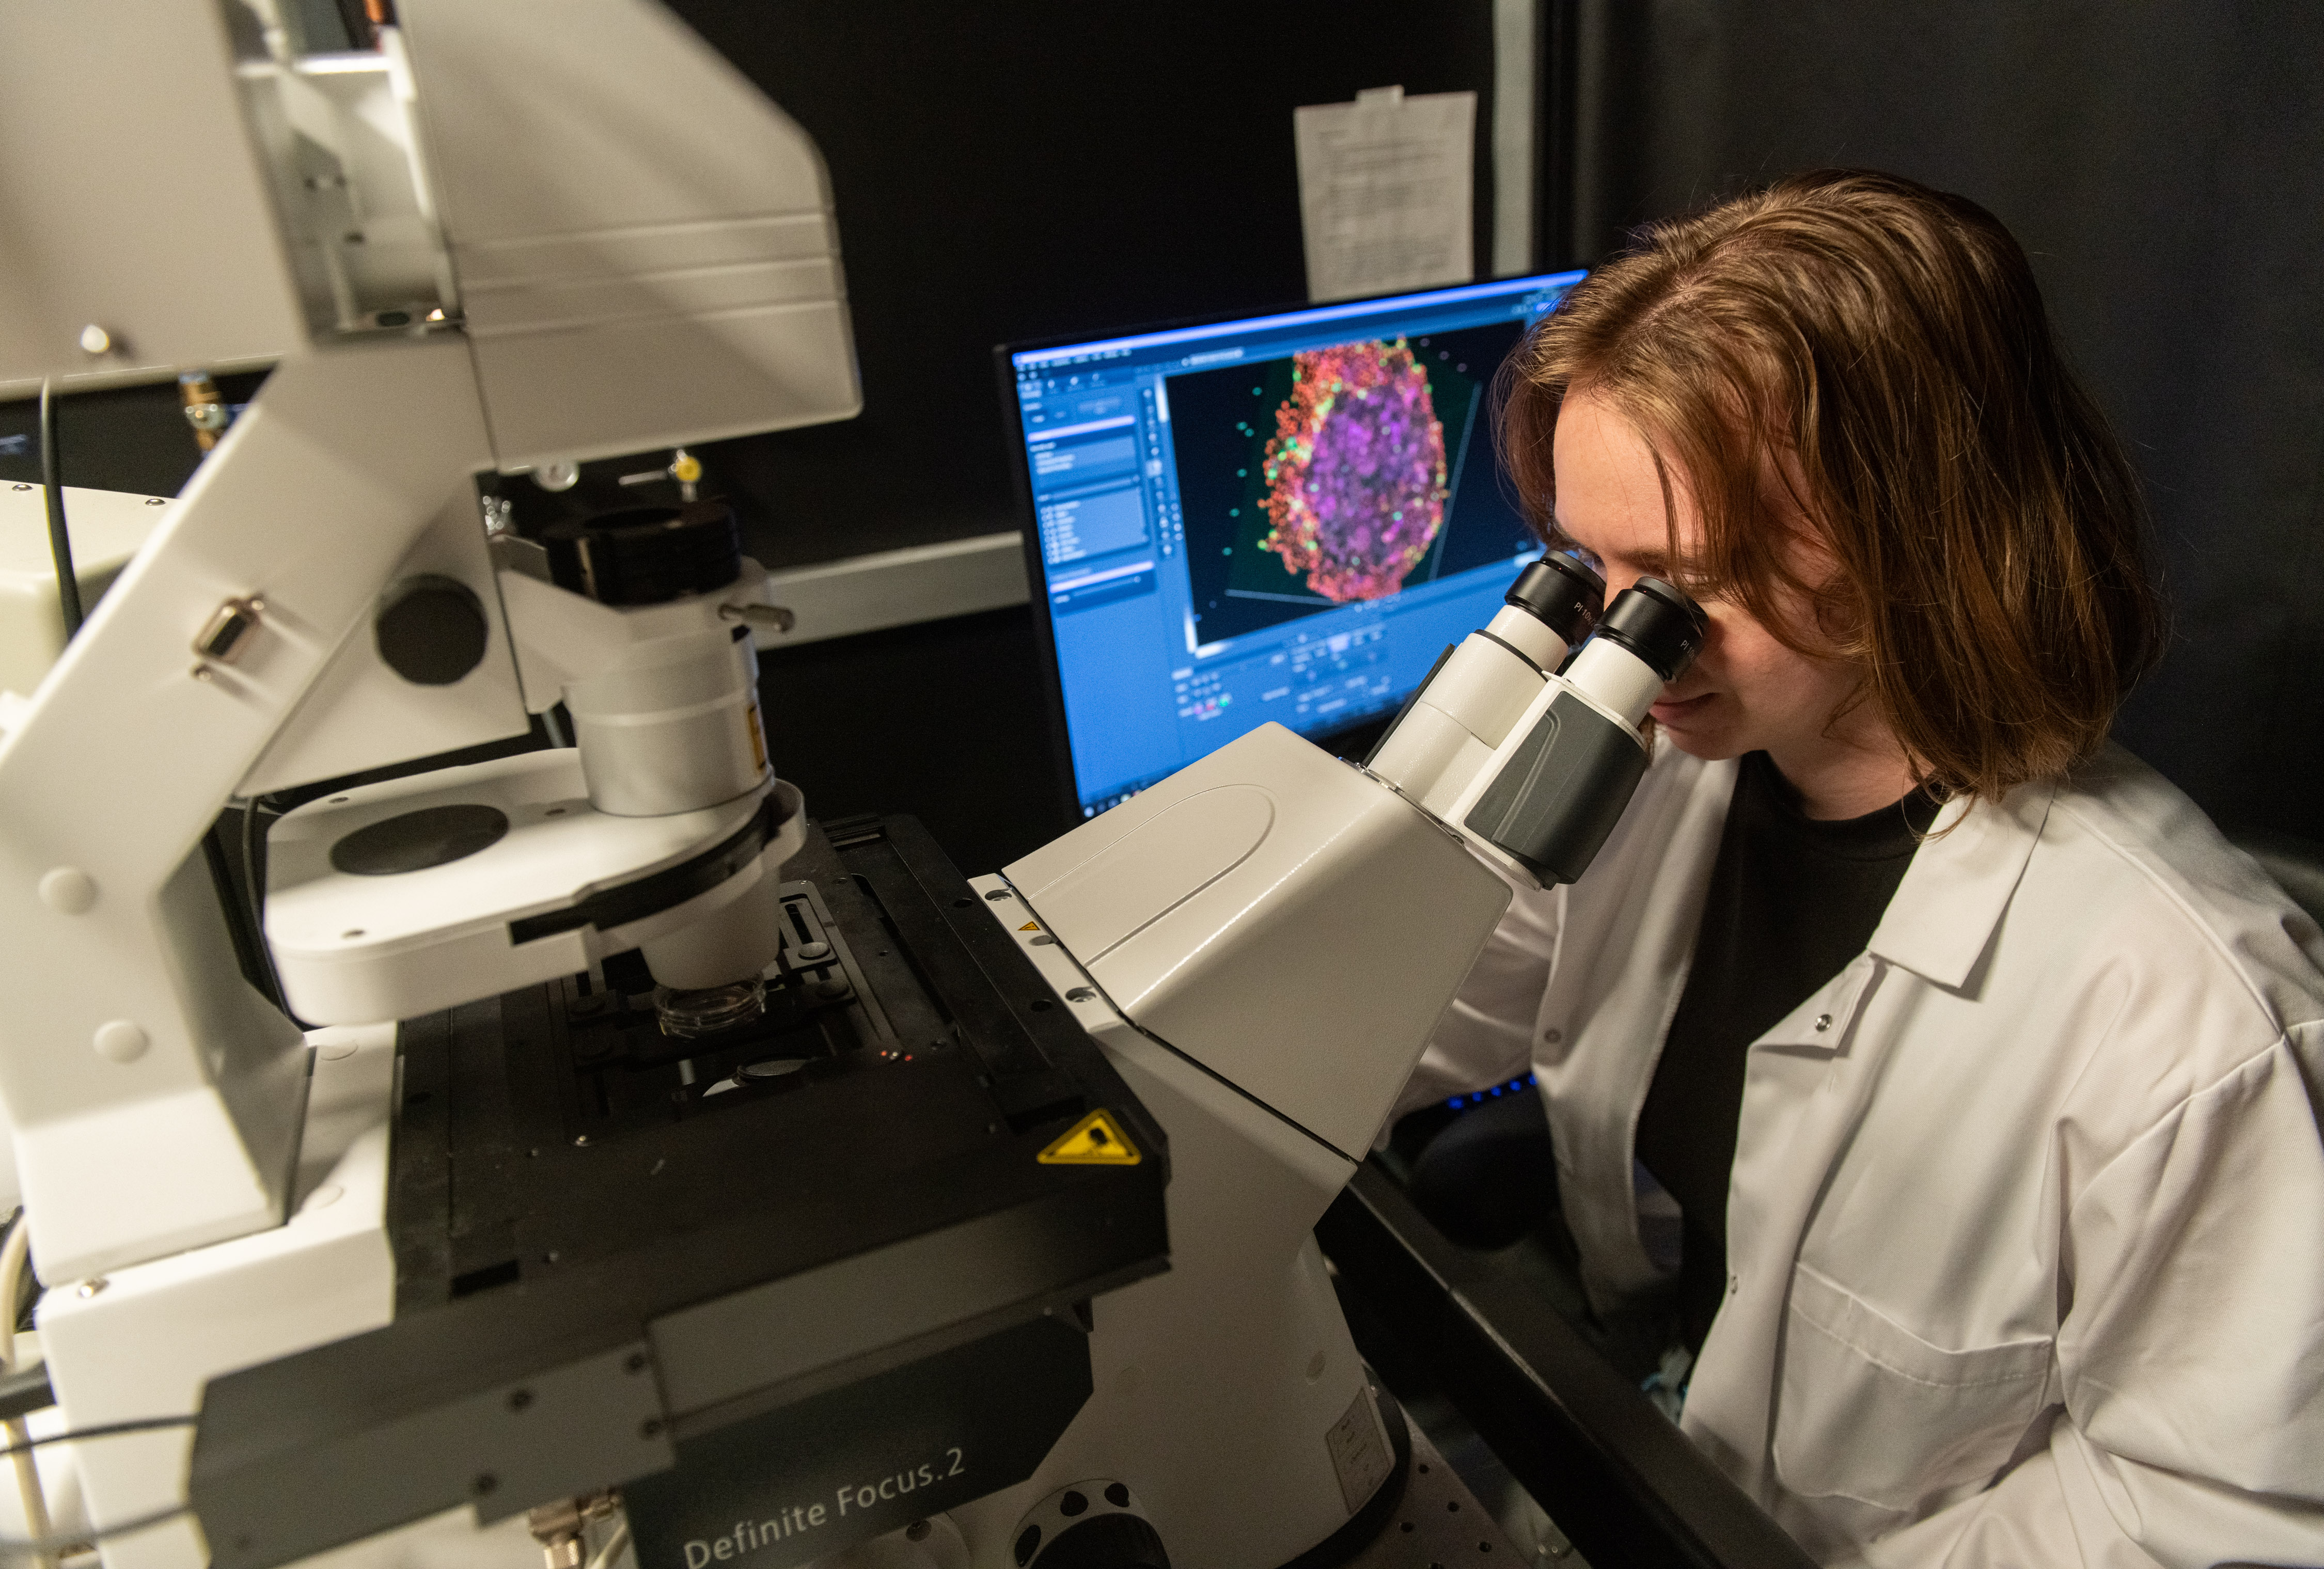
pixel 1355 473
pixel 1339 475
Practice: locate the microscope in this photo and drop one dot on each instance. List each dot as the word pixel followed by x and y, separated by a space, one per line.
pixel 646 1157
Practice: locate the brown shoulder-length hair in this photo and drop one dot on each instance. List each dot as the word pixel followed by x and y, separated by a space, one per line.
pixel 1867 359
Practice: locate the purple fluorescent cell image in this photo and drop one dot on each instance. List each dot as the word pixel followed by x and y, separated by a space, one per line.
pixel 1355 474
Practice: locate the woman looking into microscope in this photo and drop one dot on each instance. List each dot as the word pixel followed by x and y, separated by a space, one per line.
pixel 1933 1062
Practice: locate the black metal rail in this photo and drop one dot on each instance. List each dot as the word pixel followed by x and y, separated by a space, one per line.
pixel 1616 1475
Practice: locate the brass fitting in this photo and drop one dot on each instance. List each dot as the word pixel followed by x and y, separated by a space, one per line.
pixel 204 409
pixel 561 1526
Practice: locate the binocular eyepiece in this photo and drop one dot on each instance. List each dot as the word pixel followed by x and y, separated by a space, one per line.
pixel 1561 593
pixel 1656 622
pixel 1652 619
pixel 1526 737
pixel 1563 776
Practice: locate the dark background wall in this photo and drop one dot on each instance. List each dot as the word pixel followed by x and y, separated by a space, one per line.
pixel 1040 168
pixel 2163 162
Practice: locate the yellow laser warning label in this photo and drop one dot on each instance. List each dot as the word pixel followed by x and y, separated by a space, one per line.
pixel 758 736
pixel 1094 1140
pixel 1031 926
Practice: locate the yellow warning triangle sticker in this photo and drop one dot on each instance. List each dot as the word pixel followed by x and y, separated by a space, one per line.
pixel 1031 926
pixel 1096 1140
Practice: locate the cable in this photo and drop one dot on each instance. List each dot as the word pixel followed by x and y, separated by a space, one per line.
pixel 28 1488
pixel 47 1545
pixel 42 1547
pixel 253 894
pixel 101 1430
pixel 606 1556
pixel 59 541
pixel 13 1255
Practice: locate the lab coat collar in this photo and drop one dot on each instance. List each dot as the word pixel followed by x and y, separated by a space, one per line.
pixel 1824 1022
pixel 1809 1081
pixel 1943 917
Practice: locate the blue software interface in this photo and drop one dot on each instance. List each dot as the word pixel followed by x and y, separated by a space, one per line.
pixel 1287 518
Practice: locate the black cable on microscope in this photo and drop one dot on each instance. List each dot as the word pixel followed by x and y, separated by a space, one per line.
pixel 59 541
pixel 39 1546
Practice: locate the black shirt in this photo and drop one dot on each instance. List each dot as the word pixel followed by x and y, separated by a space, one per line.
pixel 1792 901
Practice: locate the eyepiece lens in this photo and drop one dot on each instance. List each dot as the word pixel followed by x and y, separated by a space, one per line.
pixel 1561 593
pixel 1653 620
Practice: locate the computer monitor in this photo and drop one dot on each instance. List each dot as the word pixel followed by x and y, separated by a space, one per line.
pixel 1286 516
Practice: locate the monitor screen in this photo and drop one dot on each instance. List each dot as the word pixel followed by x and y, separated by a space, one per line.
pixel 1284 518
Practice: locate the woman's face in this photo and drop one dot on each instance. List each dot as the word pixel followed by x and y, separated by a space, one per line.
pixel 1746 691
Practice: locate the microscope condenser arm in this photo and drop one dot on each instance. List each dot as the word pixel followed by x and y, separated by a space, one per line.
pixel 500 238
pixel 550 188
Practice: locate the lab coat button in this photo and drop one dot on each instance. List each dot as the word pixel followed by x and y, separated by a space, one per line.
pixel 1824 1022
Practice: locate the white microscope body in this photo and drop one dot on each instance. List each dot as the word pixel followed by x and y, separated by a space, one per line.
pixel 1263 942
pixel 514 236
pixel 528 234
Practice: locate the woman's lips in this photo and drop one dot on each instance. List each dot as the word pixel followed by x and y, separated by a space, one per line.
pixel 1679 710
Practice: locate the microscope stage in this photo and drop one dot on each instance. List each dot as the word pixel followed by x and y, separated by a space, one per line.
pixel 618 1253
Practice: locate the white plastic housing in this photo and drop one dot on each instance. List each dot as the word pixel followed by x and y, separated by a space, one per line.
pixel 1530 636
pixel 1215 1384
pixel 134 1145
pixel 131 198
pixel 336 134
pixel 664 697
pixel 355 948
pixel 1280 918
pixel 1466 709
pixel 676 735
pixel 360 714
pixel 108 529
pixel 1606 675
pixel 144 1346
pixel 1616 679
pixel 644 244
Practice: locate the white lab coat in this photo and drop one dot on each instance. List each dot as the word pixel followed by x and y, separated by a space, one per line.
pixel 2026 1225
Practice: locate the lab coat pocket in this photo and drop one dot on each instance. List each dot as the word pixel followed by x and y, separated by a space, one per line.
pixel 1871 1411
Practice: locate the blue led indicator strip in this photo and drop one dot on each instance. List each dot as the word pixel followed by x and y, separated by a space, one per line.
pixel 1463 1101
